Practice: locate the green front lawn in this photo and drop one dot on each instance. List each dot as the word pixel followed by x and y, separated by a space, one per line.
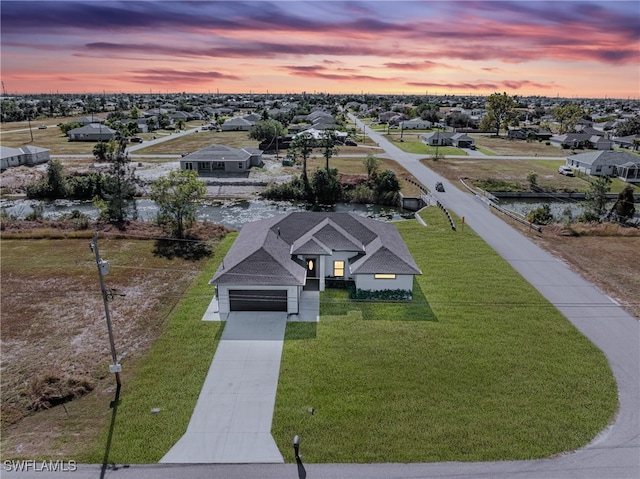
pixel 169 378
pixel 480 367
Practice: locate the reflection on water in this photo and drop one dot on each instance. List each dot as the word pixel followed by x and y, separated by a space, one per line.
pixel 233 214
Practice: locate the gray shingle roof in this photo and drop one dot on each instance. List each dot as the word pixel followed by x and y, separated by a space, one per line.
pixel 218 153
pixel 262 252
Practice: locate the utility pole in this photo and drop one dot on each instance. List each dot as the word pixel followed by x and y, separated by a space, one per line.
pixel 103 269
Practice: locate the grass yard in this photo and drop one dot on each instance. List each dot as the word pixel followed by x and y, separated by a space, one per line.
pixel 501 146
pixel 53 324
pixel 511 175
pixel 484 369
pixel 411 143
pixel 198 141
pixel 170 378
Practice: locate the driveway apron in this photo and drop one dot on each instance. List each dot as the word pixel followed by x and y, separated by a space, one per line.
pixel 231 422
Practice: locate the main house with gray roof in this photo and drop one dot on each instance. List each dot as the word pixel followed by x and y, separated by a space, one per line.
pixel 273 260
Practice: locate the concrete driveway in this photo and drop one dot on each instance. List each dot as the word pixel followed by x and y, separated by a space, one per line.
pixel 231 422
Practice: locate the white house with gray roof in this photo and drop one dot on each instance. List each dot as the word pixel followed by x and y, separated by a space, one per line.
pixel 92 132
pixel 616 163
pixel 25 155
pixel 273 260
pixel 216 158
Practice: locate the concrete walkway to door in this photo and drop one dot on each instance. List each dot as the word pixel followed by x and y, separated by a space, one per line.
pixel 231 422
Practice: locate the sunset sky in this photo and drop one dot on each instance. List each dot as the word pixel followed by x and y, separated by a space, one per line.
pixel 549 48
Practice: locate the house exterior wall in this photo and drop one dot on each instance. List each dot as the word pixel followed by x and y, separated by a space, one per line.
pixel 338 256
pixel 369 283
pixel 24 159
pixel 293 296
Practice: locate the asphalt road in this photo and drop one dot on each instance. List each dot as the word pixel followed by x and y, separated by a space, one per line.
pixel 613 454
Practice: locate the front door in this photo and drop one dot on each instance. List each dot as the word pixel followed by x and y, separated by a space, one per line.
pixel 313 281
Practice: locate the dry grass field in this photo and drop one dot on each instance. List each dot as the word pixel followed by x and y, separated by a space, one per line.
pixel 54 332
pixel 498 146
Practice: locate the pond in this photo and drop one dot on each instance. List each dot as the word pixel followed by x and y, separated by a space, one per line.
pixel 560 208
pixel 233 214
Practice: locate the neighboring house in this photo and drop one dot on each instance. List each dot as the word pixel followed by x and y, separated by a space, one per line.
pixel 237 124
pixel 630 142
pixel 621 164
pixel 415 124
pixel 92 132
pixel 584 140
pixel 25 155
pixel 444 138
pixel 525 133
pixel 87 120
pixel 273 260
pixel 216 158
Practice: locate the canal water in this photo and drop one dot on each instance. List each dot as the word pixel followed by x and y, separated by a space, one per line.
pixel 233 214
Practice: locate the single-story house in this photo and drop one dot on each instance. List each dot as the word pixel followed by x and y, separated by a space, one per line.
pixel 92 132
pixel 87 120
pixel 216 158
pixel 237 124
pixel 273 260
pixel 584 140
pixel 25 155
pixel 525 133
pixel 416 124
pixel 621 164
pixel 444 138
pixel 630 142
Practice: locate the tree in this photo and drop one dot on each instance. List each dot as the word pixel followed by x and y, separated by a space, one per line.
pixel 119 186
pixel 101 150
pixel 327 142
pixel 628 127
pixel 326 187
pixel 177 196
pixel 596 198
pixel 180 124
pixel 134 114
pixel 53 186
pixel 532 178
pixel 625 207
pixel 302 146
pixel 371 163
pixel 500 109
pixel 387 188
pixel 267 130
pixel 151 124
pixel 567 116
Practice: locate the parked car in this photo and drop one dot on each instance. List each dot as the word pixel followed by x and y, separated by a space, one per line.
pixel 565 170
pixel 136 139
pixel 42 127
pixel 350 142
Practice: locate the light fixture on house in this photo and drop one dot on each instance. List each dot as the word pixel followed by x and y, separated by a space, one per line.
pixel 310 264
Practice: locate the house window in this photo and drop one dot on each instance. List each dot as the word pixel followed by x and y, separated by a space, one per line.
pixel 338 269
pixel 239 165
pixel 598 169
pixel 384 276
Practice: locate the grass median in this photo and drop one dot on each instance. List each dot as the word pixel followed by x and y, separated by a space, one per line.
pixel 480 368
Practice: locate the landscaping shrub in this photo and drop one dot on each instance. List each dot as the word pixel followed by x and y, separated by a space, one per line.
pixel 540 216
pixel 383 295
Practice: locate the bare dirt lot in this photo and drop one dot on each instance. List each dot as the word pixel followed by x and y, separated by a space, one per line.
pixel 54 334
